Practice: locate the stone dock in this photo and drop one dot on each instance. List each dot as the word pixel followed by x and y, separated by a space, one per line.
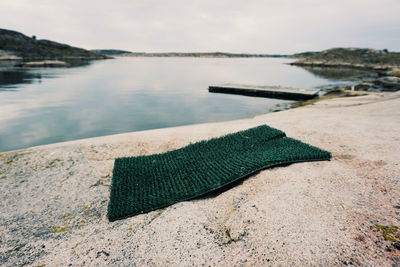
pixel 265 91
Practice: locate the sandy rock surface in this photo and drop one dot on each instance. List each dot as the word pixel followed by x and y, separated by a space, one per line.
pixel 54 198
pixel 44 63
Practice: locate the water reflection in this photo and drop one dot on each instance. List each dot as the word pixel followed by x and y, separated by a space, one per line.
pixel 341 74
pixel 11 78
pixel 131 94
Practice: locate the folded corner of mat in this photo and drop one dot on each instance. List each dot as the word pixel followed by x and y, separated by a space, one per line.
pixel 146 183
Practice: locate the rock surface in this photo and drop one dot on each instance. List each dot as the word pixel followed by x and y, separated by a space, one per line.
pixel 5 55
pixel 44 63
pixel 394 72
pixel 54 198
pixel 363 86
pixel 390 83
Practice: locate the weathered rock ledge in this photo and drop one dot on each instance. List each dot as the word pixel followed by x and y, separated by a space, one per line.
pixel 54 198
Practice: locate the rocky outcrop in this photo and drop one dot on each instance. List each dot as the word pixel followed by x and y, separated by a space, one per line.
pixel 383 84
pixel 394 72
pixel 390 83
pixel 29 48
pixel 363 86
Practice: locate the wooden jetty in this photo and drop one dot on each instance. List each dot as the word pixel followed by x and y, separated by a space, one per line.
pixel 265 91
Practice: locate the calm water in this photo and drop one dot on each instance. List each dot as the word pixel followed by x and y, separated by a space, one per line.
pixel 41 106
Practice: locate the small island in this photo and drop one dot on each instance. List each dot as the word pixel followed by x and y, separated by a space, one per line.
pixel 358 58
pixel 383 64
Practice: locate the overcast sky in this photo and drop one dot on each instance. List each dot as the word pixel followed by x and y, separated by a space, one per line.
pixel 254 26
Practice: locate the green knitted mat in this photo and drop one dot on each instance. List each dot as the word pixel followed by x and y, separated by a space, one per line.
pixel 145 183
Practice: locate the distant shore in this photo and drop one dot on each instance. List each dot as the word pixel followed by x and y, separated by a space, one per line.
pixel 201 54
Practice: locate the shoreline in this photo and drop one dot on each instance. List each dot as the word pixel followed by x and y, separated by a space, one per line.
pixel 316 213
pixel 333 93
pixel 297 104
pixel 381 69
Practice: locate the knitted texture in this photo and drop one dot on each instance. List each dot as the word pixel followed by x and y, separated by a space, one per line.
pixel 145 183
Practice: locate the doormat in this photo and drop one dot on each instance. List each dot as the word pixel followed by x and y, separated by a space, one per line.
pixel 146 183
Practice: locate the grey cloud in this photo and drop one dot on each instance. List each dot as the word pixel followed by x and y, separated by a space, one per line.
pixel 269 26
